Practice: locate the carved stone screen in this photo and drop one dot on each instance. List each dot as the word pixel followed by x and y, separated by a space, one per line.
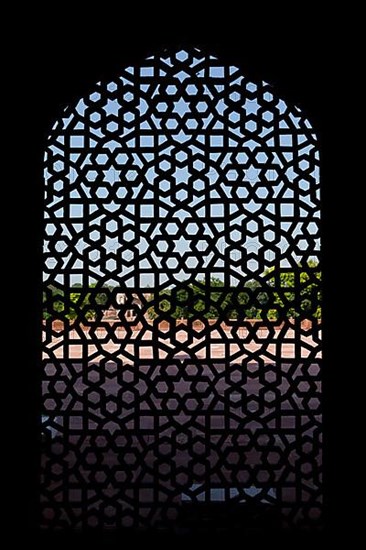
pixel 182 315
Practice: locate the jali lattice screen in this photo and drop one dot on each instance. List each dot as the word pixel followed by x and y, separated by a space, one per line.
pixel 182 314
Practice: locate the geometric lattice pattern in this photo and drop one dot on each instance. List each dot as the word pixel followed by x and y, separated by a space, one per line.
pixel 182 305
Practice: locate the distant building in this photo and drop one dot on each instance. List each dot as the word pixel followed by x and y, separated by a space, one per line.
pixel 112 313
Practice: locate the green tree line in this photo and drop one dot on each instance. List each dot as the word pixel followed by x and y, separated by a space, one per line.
pixel 278 294
pixel 76 304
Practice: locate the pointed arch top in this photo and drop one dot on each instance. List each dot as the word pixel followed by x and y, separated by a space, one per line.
pixel 162 147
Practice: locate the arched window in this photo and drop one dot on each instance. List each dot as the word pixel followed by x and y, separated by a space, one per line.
pixel 182 315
